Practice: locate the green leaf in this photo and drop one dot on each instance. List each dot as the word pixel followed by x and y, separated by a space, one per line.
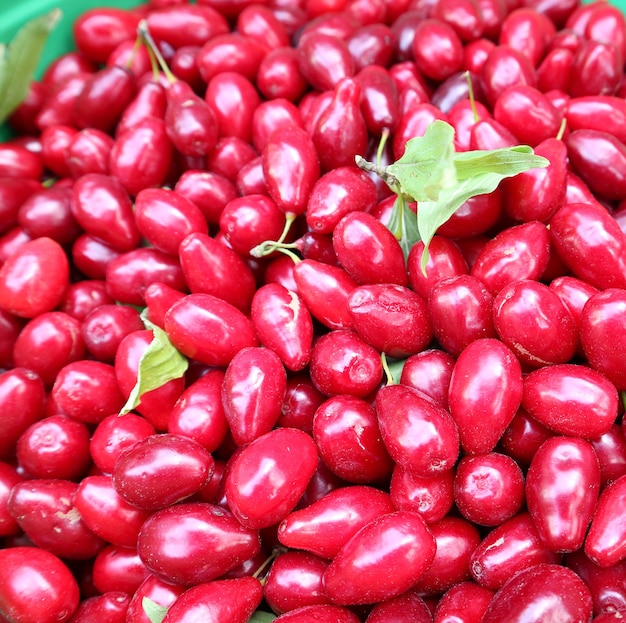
pixel 478 173
pixel 161 362
pixel 427 165
pixel 261 617
pixel 395 369
pixel 154 611
pixel 403 225
pixel 506 161
pixel 19 60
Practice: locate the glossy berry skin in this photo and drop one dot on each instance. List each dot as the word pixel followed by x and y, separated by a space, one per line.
pixel 323 527
pixel 324 613
pixel 605 583
pixel 537 194
pixel 45 511
pixel 102 207
pixel 208 329
pixel 569 469
pixel 445 261
pixel 430 496
pixel 283 324
pixel 324 60
pixel 485 392
pixel 381 544
pixel 142 155
pixel 541 124
pixel 290 167
pixel 391 318
pixel 600 159
pixel 571 399
pixel 110 606
pixel 264 483
pixel 22 398
pixel 336 193
pixel 98 31
pixel 456 540
pixel 199 414
pixel 295 581
pixel 105 327
pixel 464 603
pixel 24 291
pixel 190 123
pixel 213 268
pixel 368 251
pixel 429 371
pixel 516 253
pixel 601 333
pixel 488 488
pixel 348 438
pixel 164 218
pixel 508 549
pixel 47 213
pixel 407 608
pixel 107 514
pixel 461 310
pixel 418 434
pixel 542 591
pixel 340 132
pixel 604 544
pixel 87 391
pixel 55 447
pixel 36 586
pixel 342 363
pixel 220 600
pixel 161 470
pixel 591 244
pixel 104 98
pixel 252 393
pixel 325 289
pixel 251 219
pixel 47 343
pixel 191 543
pixel 533 322
pixel 437 49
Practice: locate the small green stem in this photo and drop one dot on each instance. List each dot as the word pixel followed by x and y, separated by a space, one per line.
pixel 470 90
pixel 145 36
pixel 559 134
pixel 384 137
pixel 275 552
pixel 269 246
pixel 388 375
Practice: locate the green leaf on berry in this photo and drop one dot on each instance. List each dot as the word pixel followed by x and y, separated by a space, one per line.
pixel 441 180
pixel 403 225
pixel 161 362
pixel 427 165
pixel 261 617
pixel 19 60
pixel 478 173
pixel 154 611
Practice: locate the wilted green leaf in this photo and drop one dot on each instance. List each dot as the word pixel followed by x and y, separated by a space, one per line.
pixel 161 362
pixel 19 60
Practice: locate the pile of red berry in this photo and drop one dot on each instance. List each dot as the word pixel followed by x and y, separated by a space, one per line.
pixel 230 387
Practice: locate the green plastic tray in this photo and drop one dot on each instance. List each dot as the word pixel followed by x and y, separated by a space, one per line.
pixel 13 16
